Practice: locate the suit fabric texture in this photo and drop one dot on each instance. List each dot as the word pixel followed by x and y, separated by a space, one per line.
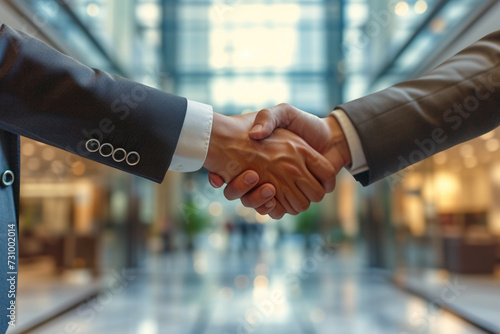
pixel 457 101
pixel 51 98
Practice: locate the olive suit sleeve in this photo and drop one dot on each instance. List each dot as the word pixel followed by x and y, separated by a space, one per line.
pixel 406 123
pixel 52 98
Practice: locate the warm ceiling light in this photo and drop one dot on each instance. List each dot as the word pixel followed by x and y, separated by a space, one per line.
pixel 401 8
pixel 28 149
pixel 492 145
pixel 420 7
pixel 93 9
pixel 78 168
pixel 215 209
pixel 48 154
pixel 470 162
pixel 438 25
pixel 261 282
pixel 34 164
pixel 440 158
pixel 466 150
pixel 488 135
pixel 495 173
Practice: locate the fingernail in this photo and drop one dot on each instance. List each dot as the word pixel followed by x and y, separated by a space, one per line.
pixel 269 204
pixel 212 182
pixel 266 192
pixel 256 128
pixel 250 178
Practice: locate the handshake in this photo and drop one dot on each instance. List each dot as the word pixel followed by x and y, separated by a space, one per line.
pixel 277 160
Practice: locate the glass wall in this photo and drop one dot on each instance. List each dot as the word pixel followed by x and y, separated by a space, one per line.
pixel 247 56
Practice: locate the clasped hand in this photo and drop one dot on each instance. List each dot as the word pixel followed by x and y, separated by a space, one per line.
pixel 278 160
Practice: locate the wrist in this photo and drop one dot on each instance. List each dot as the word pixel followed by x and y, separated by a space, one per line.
pixel 340 155
pixel 229 145
pixel 214 153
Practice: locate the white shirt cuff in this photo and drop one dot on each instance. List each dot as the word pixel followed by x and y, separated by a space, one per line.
pixel 358 156
pixel 192 147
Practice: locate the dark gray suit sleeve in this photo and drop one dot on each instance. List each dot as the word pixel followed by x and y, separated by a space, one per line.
pixel 406 123
pixel 49 97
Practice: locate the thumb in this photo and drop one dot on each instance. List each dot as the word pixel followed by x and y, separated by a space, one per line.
pixel 215 180
pixel 269 119
pixel 264 124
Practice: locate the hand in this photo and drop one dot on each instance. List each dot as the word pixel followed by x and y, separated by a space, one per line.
pixel 261 198
pixel 299 173
pixel 323 134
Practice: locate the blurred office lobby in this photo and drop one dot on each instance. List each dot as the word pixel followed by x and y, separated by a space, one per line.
pixel 102 251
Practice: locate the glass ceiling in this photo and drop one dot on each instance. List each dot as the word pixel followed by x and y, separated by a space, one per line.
pixel 385 41
pixel 239 55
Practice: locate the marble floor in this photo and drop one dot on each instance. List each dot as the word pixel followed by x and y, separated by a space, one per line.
pixel 277 290
pixel 475 297
pixel 43 295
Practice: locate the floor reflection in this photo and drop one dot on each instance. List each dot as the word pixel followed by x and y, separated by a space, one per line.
pixel 278 290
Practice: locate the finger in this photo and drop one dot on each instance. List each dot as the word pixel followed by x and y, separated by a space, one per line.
pixel 215 180
pixel 307 189
pixel 313 191
pixel 259 196
pixel 241 185
pixel 267 208
pixel 298 201
pixel 322 170
pixel 278 212
pixel 283 202
pixel 283 197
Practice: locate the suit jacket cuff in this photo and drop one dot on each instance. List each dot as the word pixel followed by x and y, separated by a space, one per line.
pixel 358 156
pixel 192 147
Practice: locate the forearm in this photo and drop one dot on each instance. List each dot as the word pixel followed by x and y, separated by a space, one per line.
pixel 52 98
pixel 410 121
pixel 227 135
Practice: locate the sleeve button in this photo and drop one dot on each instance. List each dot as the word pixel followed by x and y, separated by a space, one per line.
pixel 119 155
pixel 92 145
pixel 133 158
pixel 106 150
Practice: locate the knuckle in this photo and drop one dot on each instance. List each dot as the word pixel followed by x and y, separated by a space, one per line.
pixel 331 173
pixel 264 112
pixel 290 170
